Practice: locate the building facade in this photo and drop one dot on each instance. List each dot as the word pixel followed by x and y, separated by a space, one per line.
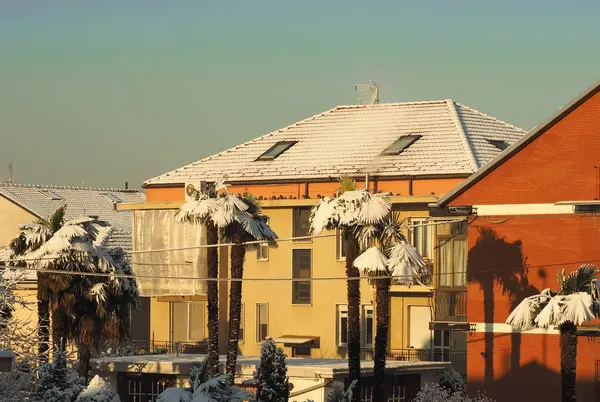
pixel 532 210
pixel 415 151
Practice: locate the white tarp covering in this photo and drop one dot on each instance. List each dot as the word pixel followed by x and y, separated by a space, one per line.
pixel 158 229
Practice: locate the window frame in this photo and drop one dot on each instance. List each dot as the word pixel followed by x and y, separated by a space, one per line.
pixel 266 156
pixel 303 356
pixel 391 150
pixel 341 311
pixel 451 273
pixel 294 230
pixel 295 283
pixel 501 145
pixel 442 349
pixel 418 243
pixel 258 338
pixel 363 323
pixel 188 312
pixel 339 246
pixel 262 249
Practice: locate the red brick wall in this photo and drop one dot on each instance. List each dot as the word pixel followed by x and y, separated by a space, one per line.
pixel 557 166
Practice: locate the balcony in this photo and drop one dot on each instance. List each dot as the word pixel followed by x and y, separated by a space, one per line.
pixel 450 306
pixel 458 358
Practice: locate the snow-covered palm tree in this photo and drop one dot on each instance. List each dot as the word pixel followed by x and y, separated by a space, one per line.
pixel 239 220
pixel 31 237
pixel 389 256
pixel 87 309
pixel 574 303
pixel 352 210
pixel 200 209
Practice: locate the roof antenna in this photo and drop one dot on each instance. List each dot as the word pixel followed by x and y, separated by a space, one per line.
pixel 371 86
pixel 10 172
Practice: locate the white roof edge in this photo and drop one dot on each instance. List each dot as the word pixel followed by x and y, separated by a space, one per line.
pixel 57 187
pixel 519 144
pixel 460 127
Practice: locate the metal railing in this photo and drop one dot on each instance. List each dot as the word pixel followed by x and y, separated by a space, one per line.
pixel 450 305
pixel 152 347
pixel 458 358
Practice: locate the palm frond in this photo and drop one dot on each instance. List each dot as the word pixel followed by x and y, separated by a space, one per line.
pixel 347 184
pixel 523 316
pixel 57 219
pixel 581 280
pixel 578 308
pixel 406 263
pixel 372 261
pixel 323 216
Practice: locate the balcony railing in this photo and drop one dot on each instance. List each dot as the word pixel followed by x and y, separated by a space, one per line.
pixel 458 358
pixel 450 305
pixel 140 348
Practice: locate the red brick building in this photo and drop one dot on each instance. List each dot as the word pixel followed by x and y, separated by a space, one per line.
pixel 532 210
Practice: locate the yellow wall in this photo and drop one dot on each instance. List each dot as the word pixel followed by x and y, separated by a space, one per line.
pixel 319 318
pixel 11 217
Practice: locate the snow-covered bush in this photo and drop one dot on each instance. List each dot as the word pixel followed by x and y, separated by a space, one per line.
pixel 453 381
pixel 56 382
pixel 98 390
pixel 272 383
pixel 437 393
pixel 16 385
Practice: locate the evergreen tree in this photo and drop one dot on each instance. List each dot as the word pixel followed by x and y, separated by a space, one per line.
pixel 98 390
pixel 272 382
pixel 56 382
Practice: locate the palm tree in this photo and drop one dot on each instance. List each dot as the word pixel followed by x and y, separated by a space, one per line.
pixel 353 209
pixel 199 209
pixel 88 309
pixel 575 302
pixel 30 238
pixel 239 220
pixel 390 255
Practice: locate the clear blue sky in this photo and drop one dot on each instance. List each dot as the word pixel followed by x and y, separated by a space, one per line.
pixel 113 91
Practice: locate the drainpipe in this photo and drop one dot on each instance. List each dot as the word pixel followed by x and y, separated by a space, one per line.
pixel 410 187
pixel 367 182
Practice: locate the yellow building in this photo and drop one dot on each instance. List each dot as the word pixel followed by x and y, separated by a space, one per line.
pixel 414 151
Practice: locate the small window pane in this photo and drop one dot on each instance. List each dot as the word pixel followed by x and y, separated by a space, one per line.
pixel 276 150
pixel 400 144
pixel 301 351
pixel 445 263
pixel 262 321
pixel 196 321
pixel 501 145
pixel 179 322
pixel 341 245
pixel 301 223
pixel 437 338
pixel 460 262
pixel 344 330
pixel 342 325
pixel 301 269
pixel 368 325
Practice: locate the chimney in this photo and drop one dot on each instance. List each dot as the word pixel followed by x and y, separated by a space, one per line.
pixel 126 185
pixel 114 205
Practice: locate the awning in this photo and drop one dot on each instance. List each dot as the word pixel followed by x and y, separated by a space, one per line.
pixel 295 339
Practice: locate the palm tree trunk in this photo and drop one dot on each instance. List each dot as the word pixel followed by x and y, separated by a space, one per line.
pixel 84 355
pixel 43 311
pixel 353 316
pixel 381 336
pixel 212 256
pixel 59 329
pixel 238 253
pixel 568 361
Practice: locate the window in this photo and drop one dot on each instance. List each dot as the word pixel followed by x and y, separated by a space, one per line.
pixel 441 346
pixel 342 325
pixel 262 321
pixel 401 144
pixel 262 252
pixel 301 223
pixel 187 323
pixel 422 238
pixel 501 145
pixel 341 245
pixel 276 150
pixel 242 325
pixel 452 254
pixel 301 269
pixel 111 197
pixel 300 351
pixel 51 195
pixel 367 325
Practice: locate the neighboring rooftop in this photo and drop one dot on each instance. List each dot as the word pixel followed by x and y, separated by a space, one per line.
pixel 42 201
pixel 446 139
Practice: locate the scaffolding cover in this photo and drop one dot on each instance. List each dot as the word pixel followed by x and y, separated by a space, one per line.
pixel 158 229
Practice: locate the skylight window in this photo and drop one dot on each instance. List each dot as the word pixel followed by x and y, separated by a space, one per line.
pixel 276 150
pixel 51 195
pixel 401 144
pixel 111 197
pixel 501 145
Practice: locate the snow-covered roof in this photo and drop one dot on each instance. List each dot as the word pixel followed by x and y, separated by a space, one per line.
pixel 42 201
pixel 348 140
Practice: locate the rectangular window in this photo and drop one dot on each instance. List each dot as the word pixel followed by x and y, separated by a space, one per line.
pixel 367 325
pixel 400 144
pixel 341 245
pixel 262 321
pixel 300 351
pixel 301 223
pixel 301 269
pixel 187 321
pixel 422 238
pixel 342 325
pixel 276 150
pixel 262 251
pixel 441 346
pixel 452 261
pixel 242 325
